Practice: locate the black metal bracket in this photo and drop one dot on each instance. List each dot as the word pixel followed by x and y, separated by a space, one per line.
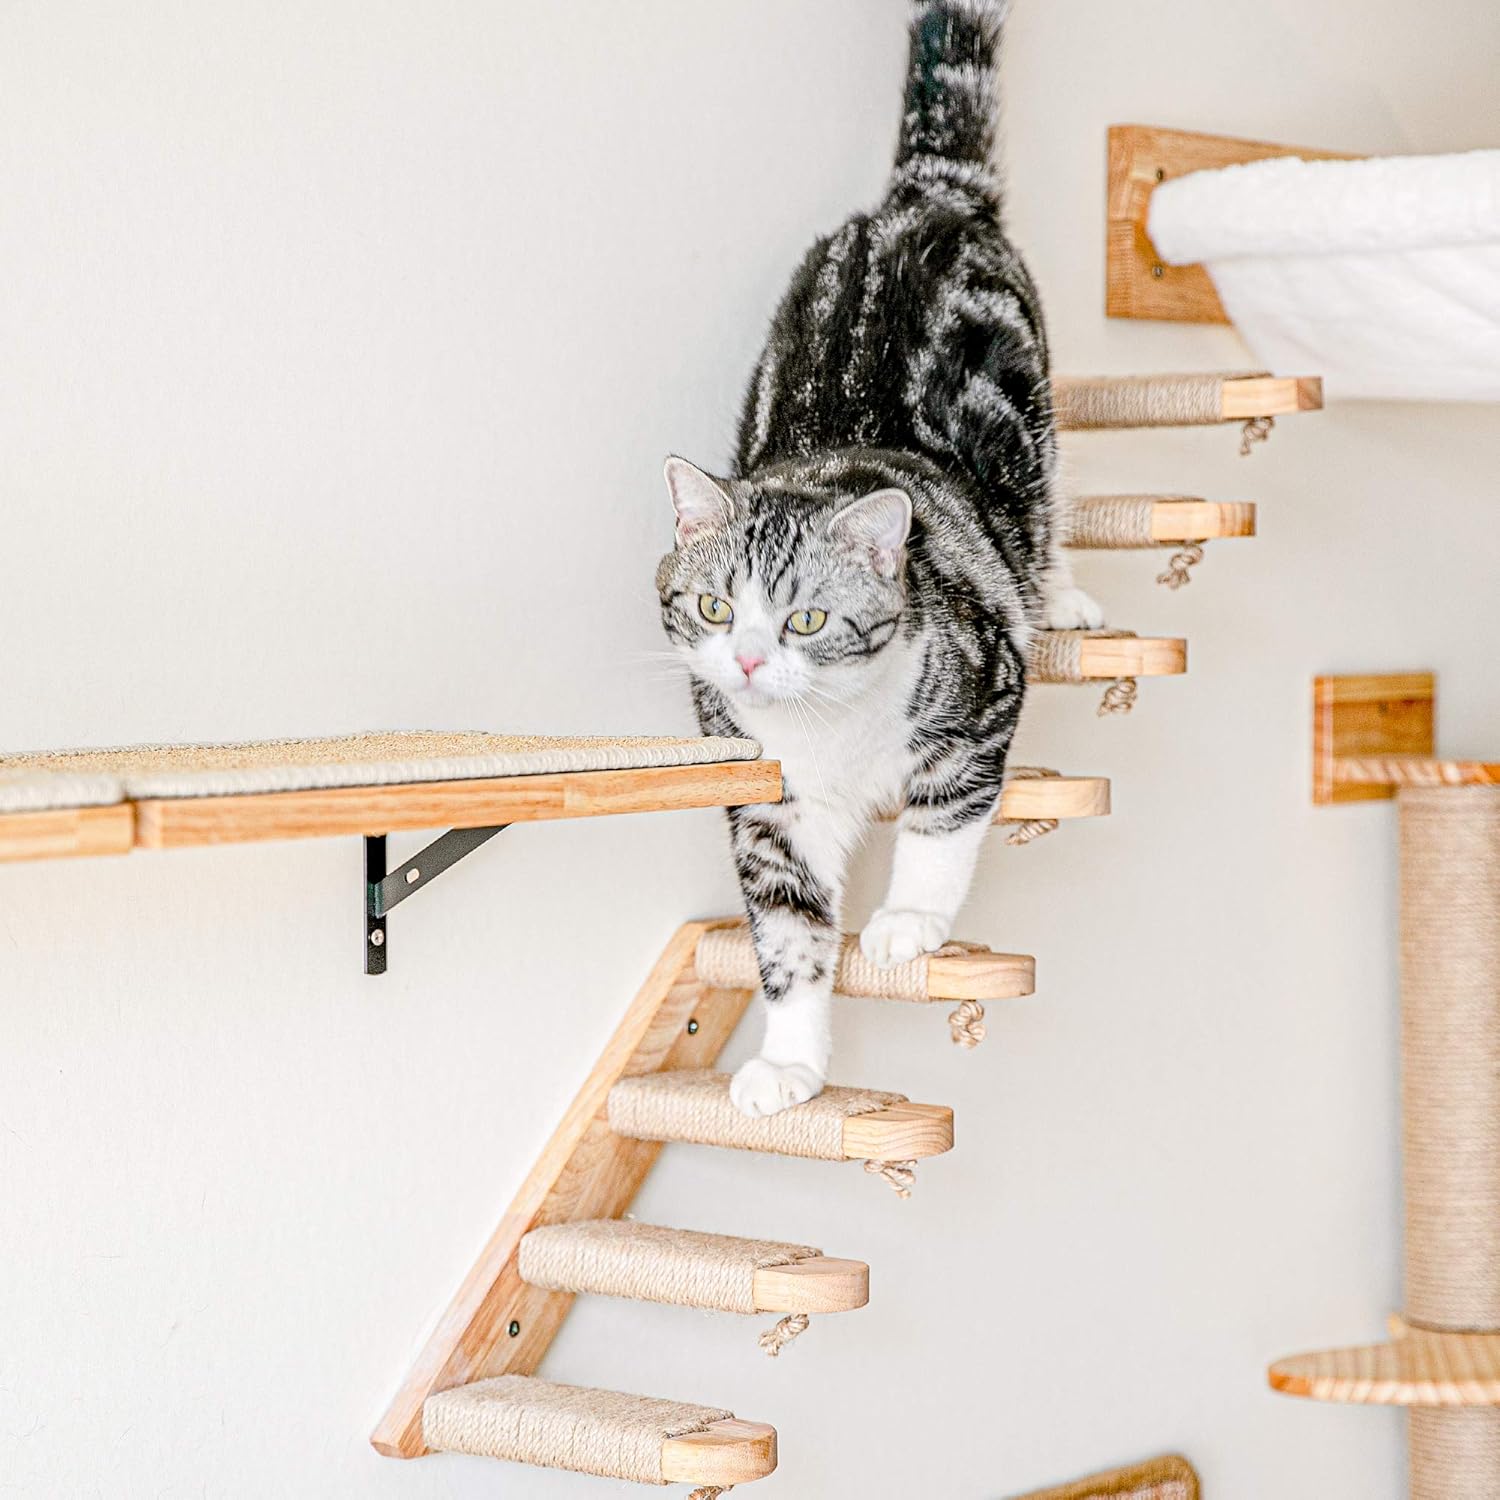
pixel 384 891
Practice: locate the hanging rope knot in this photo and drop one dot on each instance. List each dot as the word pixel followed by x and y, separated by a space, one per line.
pixel 1028 830
pixel 901 1175
pixel 774 1340
pixel 710 1491
pixel 1178 573
pixel 1119 697
pixel 1257 430
pixel 967 1025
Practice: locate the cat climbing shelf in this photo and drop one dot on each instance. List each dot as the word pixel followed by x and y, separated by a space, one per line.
pixel 1373 737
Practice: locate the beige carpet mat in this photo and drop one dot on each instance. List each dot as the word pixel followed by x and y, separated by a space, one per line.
pixel 85 778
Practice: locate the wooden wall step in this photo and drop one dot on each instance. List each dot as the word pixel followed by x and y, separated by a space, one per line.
pixel 1112 401
pixel 1032 797
pixel 726 956
pixel 1091 656
pixel 605 1433
pixel 1421 1368
pixel 1109 522
pixel 722 1272
pixel 841 1124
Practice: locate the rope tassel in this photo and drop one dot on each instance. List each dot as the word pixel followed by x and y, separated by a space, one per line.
pixel 967 1024
pixel 775 1339
pixel 710 1491
pixel 902 1175
pixel 1257 430
pixel 1119 697
pixel 1179 568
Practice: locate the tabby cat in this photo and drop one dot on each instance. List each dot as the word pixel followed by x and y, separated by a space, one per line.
pixel 859 592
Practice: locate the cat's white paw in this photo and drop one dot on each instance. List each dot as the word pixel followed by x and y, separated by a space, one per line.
pixel 767 1088
pixel 1073 609
pixel 897 937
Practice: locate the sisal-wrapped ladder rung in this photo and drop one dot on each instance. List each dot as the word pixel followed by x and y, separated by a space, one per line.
pixel 605 1433
pixel 884 1130
pixel 1114 656
pixel 1123 522
pixel 687 1268
pixel 1120 401
pixel 959 971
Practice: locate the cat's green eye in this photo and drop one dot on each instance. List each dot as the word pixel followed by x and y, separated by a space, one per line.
pixel 714 609
pixel 807 621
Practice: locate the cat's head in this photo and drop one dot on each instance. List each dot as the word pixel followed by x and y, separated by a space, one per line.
pixel 779 596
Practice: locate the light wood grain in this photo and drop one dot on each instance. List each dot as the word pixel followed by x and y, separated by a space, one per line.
pixel 1139 284
pixel 1201 520
pixel 820 1285
pixel 1362 718
pixel 1423 1368
pixel 584 1172
pixel 1054 797
pixel 67 832
pixel 899 1132
pixel 726 1453
pixel 1133 656
pixel 1270 396
pixel 175 823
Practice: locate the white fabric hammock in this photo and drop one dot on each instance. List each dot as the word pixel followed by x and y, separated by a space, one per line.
pixel 1383 275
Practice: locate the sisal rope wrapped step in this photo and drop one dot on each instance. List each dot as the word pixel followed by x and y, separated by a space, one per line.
pixel 605 1433
pixel 1183 401
pixel 841 1124
pixel 964 972
pixel 684 1267
pixel 1125 522
pixel 1060 656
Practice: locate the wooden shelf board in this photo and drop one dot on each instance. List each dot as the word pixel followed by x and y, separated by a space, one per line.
pixel 1423 1368
pixel 899 1132
pixel 176 823
pixel 1060 797
pixel 1133 656
pixel 726 1453
pixel 819 1285
pixel 67 832
pixel 1139 284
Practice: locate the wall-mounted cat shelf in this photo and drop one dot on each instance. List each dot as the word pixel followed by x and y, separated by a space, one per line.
pixel 1138 282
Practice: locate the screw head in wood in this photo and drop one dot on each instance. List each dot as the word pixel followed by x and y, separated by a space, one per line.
pixel 377 938
pixel 1161 174
pixel 413 876
pixel 692 1027
pixel 1158 271
pixel 514 1330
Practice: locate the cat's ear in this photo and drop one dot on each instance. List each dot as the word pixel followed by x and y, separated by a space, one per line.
pixel 701 505
pixel 876 528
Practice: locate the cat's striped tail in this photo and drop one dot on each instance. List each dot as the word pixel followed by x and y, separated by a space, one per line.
pixel 952 95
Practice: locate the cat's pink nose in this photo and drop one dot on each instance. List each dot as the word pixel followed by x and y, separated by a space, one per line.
pixel 748 664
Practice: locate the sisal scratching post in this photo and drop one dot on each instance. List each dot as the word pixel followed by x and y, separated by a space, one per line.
pixel 1450 1039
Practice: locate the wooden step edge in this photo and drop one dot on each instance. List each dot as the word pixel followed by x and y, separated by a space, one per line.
pixel 818 1285
pixel 724 1453
pixel 1423 1367
pixel 1061 797
pixel 1183 519
pixel 1133 656
pixel 899 1132
pixel 67 832
pixel 1271 396
pixel 980 976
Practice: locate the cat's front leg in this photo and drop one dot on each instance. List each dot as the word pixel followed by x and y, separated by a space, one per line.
pixel 931 871
pixel 791 867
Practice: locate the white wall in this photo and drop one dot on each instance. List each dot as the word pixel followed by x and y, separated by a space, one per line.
pixel 341 343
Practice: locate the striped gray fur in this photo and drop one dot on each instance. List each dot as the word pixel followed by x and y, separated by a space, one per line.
pixel 908 358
